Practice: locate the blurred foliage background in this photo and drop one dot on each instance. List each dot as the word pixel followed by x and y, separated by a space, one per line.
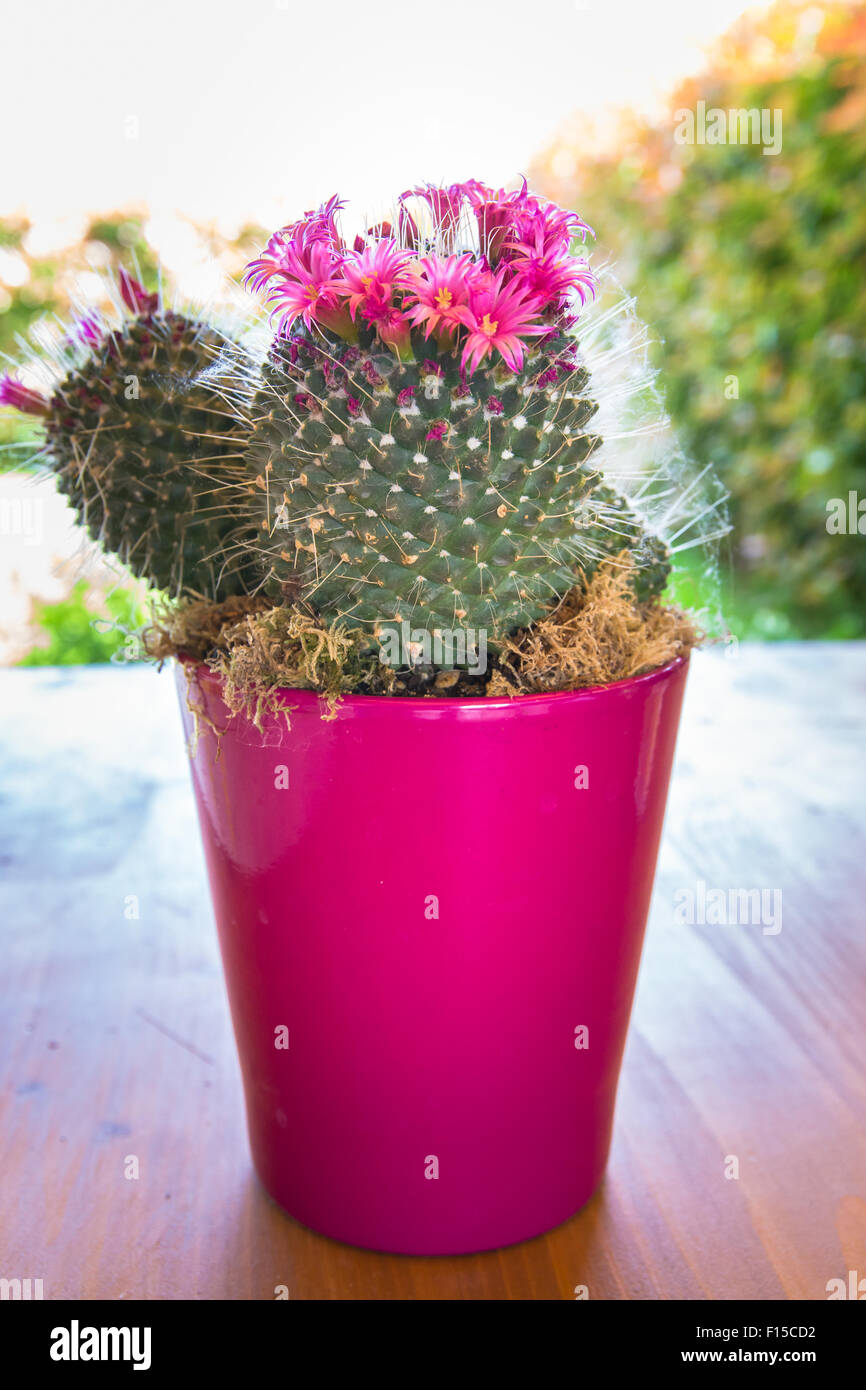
pixel 751 270
pixel 748 266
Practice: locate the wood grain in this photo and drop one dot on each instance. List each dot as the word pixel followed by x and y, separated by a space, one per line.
pixel 745 1045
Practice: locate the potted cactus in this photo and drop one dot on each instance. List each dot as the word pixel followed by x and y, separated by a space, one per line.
pixel 431 690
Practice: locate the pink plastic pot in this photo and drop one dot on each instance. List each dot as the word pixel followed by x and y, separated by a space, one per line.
pixel 439 905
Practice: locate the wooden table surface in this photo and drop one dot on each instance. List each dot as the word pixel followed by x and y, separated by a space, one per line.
pixel 746 1050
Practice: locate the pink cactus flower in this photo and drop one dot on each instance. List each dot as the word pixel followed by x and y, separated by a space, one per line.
pixel 501 315
pixel 88 329
pixel 301 280
pixel 538 249
pixel 495 223
pixel 497 212
pixel 317 225
pixel 553 276
pixel 547 227
pixel 321 225
pixel 446 206
pixel 439 292
pixel 393 327
pixel 508 220
pixel 134 295
pixel 369 278
pixel 299 267
pixel 21 397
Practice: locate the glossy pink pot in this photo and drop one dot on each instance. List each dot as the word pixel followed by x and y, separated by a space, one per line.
pixel 439 906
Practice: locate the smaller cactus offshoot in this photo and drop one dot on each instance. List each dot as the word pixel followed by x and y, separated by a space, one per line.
pixel 144 447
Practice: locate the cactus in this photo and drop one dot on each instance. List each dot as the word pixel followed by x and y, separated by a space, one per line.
pixel 145 450
pixel 608 525
pixel 416 449
pixel 421 448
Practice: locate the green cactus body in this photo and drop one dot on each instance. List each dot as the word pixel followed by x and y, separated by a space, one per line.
pixel 148 453
pixel 391 492
pixel 608 525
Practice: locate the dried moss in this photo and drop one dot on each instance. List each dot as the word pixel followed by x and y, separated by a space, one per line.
pixel 196 627
pixel 592 637
pixel 597 634
pixel 286 649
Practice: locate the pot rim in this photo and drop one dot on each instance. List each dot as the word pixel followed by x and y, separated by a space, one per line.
pixel 301 697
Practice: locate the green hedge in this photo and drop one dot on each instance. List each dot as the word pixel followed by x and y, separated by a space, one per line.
pixel 750 269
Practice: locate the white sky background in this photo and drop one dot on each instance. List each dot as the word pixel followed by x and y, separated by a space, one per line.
pixel 257 109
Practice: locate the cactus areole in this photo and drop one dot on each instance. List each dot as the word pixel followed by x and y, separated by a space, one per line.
pixel 422 448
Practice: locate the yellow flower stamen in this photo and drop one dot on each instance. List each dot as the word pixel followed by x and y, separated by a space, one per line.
pixel 489 326
pixel 443 299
